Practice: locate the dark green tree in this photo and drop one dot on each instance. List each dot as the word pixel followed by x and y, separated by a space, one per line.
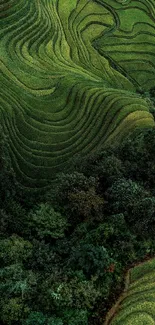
pixel 93 260
pixel 45 222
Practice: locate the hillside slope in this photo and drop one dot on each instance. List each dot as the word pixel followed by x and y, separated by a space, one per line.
pixel 70 70
pixel 136 306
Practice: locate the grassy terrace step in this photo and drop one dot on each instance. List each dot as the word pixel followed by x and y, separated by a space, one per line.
pixel 70 70
pixel 131 47
pixel 137 303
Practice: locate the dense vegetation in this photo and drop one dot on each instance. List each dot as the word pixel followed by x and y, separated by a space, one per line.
pixel 63 252
pixel 77 81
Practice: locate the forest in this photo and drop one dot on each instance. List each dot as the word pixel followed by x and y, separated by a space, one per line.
pixel 64 251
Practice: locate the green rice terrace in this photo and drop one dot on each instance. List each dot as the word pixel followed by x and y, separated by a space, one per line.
pixel 136 305
pixel 70 75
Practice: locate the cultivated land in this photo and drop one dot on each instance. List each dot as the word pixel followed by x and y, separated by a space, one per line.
pixel 70 71
pixel 136 306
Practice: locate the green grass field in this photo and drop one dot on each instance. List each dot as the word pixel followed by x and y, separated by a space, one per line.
pixel 137 304
pixel 69 74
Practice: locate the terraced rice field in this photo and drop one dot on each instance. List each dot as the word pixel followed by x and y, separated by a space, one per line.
pixel 69 74
pixel 137 304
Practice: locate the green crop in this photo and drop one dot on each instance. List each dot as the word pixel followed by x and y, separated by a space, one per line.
pixel 70 71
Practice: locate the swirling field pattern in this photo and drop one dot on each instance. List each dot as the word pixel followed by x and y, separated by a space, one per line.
pixel 137 306
pixel 69 74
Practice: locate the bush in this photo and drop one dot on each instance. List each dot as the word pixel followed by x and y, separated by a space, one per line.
pixel 45 222
pixel 93 260
pixel 123 194
pixel 71 290
pixel 86 204
pixel 13 311
pixel 66 184
pixel 137 155
pixel 76 317
pixel 14 250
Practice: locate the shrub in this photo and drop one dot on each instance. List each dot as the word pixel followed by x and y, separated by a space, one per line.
pixel 45 222
pixel 14 250
pixel 93 260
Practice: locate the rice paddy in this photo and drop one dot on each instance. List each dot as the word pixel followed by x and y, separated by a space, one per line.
pixel 69 74
pixel 137 304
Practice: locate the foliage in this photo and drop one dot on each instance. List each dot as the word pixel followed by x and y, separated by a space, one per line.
pixel 43 257
pixel 7 177
pixel 135 202
pixel 103 165
pixel 123 194
pixel 86 203
pixel 14 250
pixel 138 157
pixel 45 222
pixel 38 318
pixel 93 260
pixel 13 311
pixel 72 290
pixel 69 80
pixel 76 317
pixel 16 288
pixel 68 183
pixel 62 256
